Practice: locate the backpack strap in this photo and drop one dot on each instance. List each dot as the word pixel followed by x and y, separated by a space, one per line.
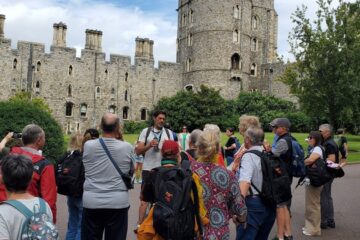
pixel 167 131
pixel 259 154
pixel 111 159
pixel 147 134
pixel 20 207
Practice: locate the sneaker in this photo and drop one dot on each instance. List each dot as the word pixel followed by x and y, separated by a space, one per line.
pixel 331 224
pixel 306 233
pixel 323 225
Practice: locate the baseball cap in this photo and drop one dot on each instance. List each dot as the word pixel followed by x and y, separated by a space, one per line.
pixel 280 122
pixel 170 148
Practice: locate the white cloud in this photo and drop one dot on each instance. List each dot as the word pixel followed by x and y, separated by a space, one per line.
pixel 32 21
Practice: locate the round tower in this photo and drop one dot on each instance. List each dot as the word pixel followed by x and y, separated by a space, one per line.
pixel 223 44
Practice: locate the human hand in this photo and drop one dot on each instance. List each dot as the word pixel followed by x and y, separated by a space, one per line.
pixel 154 143
pixel 9 136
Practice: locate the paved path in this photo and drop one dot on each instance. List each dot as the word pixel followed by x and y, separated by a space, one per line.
pixel 346 195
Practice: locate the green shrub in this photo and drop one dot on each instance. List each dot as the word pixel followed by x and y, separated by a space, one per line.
pixel 134 127
pixel 15 115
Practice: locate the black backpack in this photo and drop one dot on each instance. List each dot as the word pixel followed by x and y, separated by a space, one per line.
pixel 276 187
pixel 174 210
pixel 70 175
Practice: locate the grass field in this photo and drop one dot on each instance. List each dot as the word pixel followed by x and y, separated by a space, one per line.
pixel 353 141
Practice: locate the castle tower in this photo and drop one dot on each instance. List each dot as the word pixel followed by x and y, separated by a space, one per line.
pixel 2 23
pixel 144 49
pixel 59 38
pixel 223 44
pixel 93 40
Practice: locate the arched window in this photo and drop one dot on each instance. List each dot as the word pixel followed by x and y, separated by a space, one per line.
pixel 106 72
pixel 97 92
pixel 255 22
pixel 235 61
pixel 254 45
pixel 15 63
pixel 237 11
pixel 236 36
pixel 83 110
pixel 183 23
pixel 38 66
pixel 143 114
pixel 112 109
pixel 69 109
pixel 126 76
pixel 191 16
pixel 125 112
pixel 253 70
pixel 126 95
pixel 189 87
pixel 189 38
pixel 37 85
pixel 69 91
pixel 188 65
pixel 70 70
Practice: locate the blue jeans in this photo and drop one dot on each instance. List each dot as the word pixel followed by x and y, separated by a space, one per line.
pixel 260 220
pixel 75 214
pixel 229 160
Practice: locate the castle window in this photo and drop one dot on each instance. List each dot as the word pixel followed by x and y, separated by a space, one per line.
pixel 97 92
pixel 253 70
pixel 189 87
pixel 70 70
pixel 254 44
pixel 189 38
pixel 106 72
pixel 188 65
pixel 113 93
pixel 183 23
pixel 15 63
pixel 255 22
pixel 37 85
pixel 112 109
pixel 235 61
pixel 125 112
pixel 237 12
pixel 77 127
pixel 69 109
pixel 69 91
pixel 126 76
pixel 68 128
pixel 126 95
pixel 236 36
pixel 38 66
pixel 83 110
pixel 143 114
pixel 191 15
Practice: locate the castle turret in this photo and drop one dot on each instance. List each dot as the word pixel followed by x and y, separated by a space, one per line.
pixel 2 23
pixel 223 44
pixel 59 39
pixel 144 49
pixel 93 40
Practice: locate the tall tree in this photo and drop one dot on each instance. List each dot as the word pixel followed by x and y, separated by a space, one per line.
pixel 326 76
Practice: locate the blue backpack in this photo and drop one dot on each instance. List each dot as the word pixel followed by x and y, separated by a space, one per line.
pixel 237 143
pixel 297 165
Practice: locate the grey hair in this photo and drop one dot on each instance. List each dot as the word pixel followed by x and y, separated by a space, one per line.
pixel 31 133
pixel 327 127
pixel 213 128
pixel 194 136
pixel 255 135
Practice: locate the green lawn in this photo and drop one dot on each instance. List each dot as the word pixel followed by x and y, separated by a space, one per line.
pixel 353 141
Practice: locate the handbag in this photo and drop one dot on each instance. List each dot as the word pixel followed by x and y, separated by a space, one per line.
pixel 127 178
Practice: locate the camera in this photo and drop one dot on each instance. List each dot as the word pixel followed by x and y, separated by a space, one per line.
pixel 17 135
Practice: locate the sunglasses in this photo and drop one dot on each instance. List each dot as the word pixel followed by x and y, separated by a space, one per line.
pixel 309 138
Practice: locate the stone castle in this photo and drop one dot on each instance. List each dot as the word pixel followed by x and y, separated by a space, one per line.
pixel 229 45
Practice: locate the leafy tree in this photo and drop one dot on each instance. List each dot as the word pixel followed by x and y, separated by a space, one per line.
pixel 26 97
pixel 15 115
pixel 195 109
pixel 326 76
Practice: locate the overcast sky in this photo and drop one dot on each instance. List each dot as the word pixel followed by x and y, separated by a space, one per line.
pixel 120 20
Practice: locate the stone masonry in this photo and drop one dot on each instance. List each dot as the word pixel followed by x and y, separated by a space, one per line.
pixel 229 45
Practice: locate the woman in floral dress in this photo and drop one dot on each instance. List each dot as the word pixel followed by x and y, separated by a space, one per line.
pixel 221 192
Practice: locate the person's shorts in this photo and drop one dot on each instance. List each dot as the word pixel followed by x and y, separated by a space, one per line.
pixel 139 159
pixel 284 204
pixel 146 177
